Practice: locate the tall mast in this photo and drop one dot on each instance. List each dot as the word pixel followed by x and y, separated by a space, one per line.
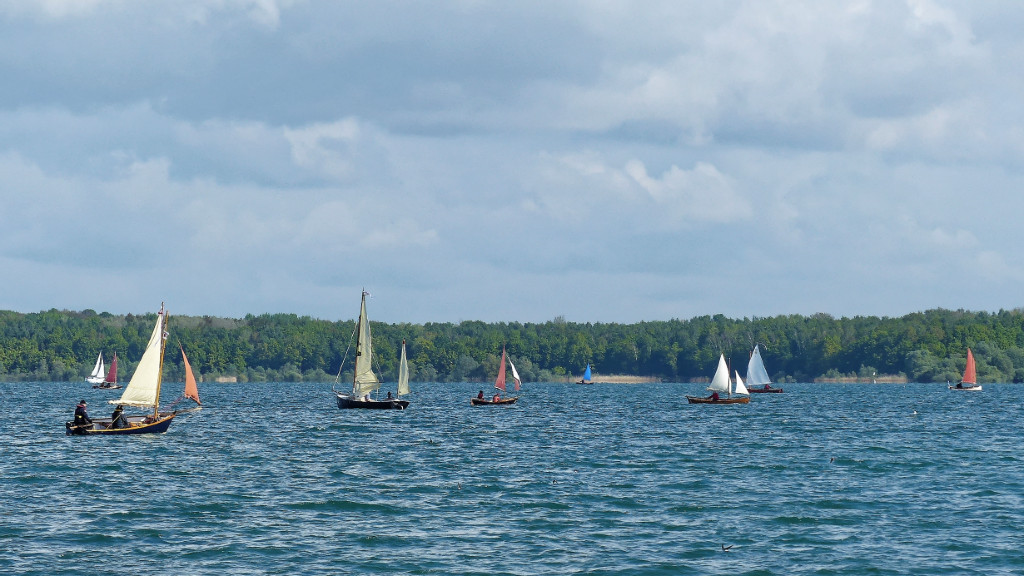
pixel 160 373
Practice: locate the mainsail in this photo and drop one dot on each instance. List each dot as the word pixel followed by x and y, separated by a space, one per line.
pixel 500 382
pixel 112 373
pixel 720 383
pixel 970 375
pixel 586 374
pixel 757 376
pixel 144 388
pixel 403 373
pixel 364 381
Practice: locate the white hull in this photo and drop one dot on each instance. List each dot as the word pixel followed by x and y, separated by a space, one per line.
pixel 94 379
pixel 975 388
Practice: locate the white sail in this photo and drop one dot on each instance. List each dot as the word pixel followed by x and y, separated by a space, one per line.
pixel 365 380
pixel 720 383
pixel 403 373
pixel 144 388
pixel 757 376
pixel 515 375
pixel 98 370
pixel 740 388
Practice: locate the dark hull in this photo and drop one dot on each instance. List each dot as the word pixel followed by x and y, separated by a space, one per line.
pixel 137 425
pixel 108 386
pixel 482 402
pixel 585 383
pixel 346 403
pixel 763 391
pixel 706 400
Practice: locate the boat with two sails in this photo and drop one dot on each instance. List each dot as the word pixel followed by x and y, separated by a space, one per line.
pixel 364 380
pixel 970 380
pixel 142 391
pixel 721 384
pixel 98 371
pixel 109 381
pixel 499 385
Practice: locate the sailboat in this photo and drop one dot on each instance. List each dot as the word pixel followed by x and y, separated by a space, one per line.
pixel 758 381
pixel 586 376
pixel 110 380
pixel 499 384
pixel 970 379
pixel 143 391
pixel 364 381
pixel 97 374
pixel 721 383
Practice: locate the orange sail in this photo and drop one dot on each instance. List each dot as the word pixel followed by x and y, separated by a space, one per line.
pixel 500 382
pixel 970 376
pixel 191 390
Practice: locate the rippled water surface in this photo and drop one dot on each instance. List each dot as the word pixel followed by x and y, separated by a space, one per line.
pixel 602 479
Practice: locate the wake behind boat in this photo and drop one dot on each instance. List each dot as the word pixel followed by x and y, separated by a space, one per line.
pixel 758 381
pixel 970 380
pixel 364 381
pixel 499 385
pixel 720 383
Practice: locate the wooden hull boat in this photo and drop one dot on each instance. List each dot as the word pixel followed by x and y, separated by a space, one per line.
pixel 108 386
pixel 763 391
pixel 484 402
pixel 346 402
pixel 707 400
pixel 136 425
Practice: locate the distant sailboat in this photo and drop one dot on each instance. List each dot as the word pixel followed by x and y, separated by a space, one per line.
pixel 757 377
pixel 970 379
pixel 191 391
pixel 364 381
pixel 97 375
pixel 721 384
pixel 586 376
pixel 143 391
pixel 499 384
pixel 110 380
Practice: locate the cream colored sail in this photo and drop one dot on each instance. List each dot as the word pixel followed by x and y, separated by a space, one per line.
pixel 403 373
pixel 720 383
pixel 144 388
pixel 365 381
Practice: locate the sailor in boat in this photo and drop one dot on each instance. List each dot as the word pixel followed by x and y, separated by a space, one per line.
pixel 767 386
pixel 82 420
pixel 390 397
pixel 480 396
pixel 497 397
pixel 959 384
pixel 714 396
pixel 117 419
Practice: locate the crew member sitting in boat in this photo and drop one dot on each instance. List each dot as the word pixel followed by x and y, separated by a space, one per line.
pixel 497 397
pixel 767 386
pixel 117 419
pixel 714 396
pixel 82 420
pixel 389 395
pixel 480 396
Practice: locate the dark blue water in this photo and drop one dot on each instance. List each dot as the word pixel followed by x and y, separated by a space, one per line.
pixel 602 479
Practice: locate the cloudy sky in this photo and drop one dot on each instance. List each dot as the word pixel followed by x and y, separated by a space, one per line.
pixel 604 161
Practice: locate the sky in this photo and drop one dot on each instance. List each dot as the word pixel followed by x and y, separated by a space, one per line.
pixel 593 160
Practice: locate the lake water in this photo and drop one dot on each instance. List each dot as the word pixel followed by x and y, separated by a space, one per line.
pixel 602 479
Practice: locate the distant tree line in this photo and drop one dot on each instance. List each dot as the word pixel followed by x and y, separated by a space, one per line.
pixel 927 346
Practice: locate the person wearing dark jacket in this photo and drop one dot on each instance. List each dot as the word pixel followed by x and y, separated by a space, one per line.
pixel 82 419
pixel 117 419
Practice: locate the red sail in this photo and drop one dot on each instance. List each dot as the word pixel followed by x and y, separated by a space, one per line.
pixel 970 376
pixel 191 390
pixel 500 382
pixel 112 373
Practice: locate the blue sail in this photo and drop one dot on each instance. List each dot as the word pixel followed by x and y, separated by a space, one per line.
pixel 586 373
